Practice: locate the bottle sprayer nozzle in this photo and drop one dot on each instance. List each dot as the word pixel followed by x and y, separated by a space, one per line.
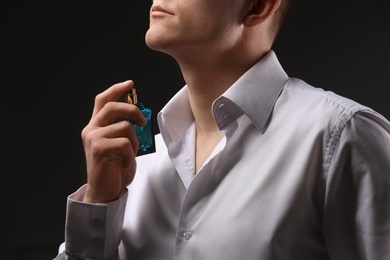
pixel 132 97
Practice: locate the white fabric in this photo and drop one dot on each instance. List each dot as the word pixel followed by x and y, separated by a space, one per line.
pixel 302 173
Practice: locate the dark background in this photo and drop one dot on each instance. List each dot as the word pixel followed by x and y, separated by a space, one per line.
pixel 57 55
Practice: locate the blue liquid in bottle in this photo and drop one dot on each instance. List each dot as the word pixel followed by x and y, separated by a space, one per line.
pixel 144 133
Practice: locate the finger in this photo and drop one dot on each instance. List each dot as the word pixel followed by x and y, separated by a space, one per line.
pixel 111 94
pixel 126 149
pixel 127 155
pixel 119 130
pixel 113 111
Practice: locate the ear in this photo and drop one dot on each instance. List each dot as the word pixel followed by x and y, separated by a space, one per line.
pixel 259 11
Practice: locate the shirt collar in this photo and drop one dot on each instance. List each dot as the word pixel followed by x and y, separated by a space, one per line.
pixel 256 91
pixel 253 94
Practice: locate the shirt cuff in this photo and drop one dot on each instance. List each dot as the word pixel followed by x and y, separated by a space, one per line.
pixel 93 230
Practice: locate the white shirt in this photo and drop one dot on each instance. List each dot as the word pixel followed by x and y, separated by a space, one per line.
pixel 302 173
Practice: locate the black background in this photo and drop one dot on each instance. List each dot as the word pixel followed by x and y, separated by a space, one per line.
pixel 57 55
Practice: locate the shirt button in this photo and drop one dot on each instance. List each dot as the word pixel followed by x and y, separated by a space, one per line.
pixel 187 235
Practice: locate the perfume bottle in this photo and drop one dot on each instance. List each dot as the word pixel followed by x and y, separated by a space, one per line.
pixel 144 133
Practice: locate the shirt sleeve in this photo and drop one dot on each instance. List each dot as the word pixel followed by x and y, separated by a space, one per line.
pixel 357 190
pixel 93 231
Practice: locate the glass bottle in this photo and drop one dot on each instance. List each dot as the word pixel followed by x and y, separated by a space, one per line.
pixel 144 133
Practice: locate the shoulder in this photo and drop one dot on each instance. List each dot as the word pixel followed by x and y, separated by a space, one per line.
pixel 315 105
pixel 299 90
pixel 343 122
pixel 308 108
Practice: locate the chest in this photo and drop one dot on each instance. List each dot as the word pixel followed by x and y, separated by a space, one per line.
pixel 248 199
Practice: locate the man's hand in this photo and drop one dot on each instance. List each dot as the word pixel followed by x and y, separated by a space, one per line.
pixel 110 145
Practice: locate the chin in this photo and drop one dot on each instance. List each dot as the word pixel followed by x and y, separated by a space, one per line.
pixel 156 41
pixel 151 39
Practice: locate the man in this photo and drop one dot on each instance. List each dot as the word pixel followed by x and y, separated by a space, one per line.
pixel 250 164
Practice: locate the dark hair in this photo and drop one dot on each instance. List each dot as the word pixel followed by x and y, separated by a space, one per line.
pixel 279 16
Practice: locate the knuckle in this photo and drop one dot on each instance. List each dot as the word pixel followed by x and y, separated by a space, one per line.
pixel 83 134
pixel 125 143
pixel 99 97
pixel 95 150
pixel 111 105
pixel 125 124
pixel 86 135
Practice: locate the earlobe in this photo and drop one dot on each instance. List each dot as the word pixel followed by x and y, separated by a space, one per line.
pixel 259 11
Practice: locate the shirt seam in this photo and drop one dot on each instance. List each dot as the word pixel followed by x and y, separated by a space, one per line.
pixel 331 145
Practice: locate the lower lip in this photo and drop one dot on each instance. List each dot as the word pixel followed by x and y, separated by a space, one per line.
pixel 159 13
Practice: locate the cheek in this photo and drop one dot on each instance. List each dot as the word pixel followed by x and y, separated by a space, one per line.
pixel 199 16
pixel 206 24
